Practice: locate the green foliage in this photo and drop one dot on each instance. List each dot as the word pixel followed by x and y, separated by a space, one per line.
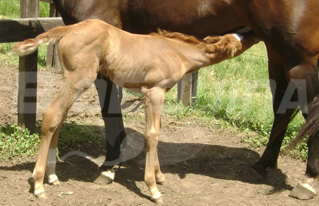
pixel 237 92
pixel 16 141
pixel 44 9
pixel 72 135
pixel 10 9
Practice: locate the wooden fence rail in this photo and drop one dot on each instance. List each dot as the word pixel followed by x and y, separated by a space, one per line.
pixel 14 30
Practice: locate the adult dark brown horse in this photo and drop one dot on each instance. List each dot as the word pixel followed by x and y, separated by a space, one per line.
pixel 289 29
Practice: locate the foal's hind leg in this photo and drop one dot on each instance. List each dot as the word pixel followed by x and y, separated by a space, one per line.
pixel 51 160
pixel 53 117
pixel 153 99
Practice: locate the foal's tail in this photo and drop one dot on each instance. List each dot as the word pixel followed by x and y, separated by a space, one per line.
pixel 30 45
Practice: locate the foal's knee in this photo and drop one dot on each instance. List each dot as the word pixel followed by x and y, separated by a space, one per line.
pixel 152 138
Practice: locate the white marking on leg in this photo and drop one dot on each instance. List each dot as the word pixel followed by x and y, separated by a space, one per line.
pixel 239 37
pixel 308 182
pixel 109 173
pixel 50 167
pixel 37 192
pixel 155 193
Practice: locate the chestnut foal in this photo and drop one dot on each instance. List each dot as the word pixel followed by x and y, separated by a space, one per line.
pixel 147 64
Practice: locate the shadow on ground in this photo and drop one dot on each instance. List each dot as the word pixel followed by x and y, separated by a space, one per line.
pixel 214 161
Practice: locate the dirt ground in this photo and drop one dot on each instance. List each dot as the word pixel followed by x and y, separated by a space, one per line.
pixel 202 165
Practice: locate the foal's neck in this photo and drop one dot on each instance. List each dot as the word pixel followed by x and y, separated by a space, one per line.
pixel 196 58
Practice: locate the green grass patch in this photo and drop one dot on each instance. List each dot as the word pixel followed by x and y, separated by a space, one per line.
pixel 15 141
pixel 237 92
pixel 10 9
pixel 73 136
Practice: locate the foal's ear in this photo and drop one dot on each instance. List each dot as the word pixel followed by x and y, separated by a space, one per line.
pixel 212 39
pixel 230 50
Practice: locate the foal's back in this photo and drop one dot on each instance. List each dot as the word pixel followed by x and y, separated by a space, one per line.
pixel 125 58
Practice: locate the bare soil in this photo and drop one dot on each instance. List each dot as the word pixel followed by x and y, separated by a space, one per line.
pixel 202 165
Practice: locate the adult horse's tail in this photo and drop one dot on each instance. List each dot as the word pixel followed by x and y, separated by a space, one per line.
pixel 310 127
pixel 30 45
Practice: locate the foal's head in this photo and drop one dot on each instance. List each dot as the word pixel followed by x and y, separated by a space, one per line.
pixel 217 48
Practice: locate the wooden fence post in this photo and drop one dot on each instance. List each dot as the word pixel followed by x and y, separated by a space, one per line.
pixel 27 95
pixel 187 89
pixel 52 51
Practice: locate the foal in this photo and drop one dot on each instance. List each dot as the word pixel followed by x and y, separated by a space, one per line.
pixel 147 64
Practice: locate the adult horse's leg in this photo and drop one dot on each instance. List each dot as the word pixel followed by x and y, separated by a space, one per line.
pixel 278 84
pixel 301 85
pixel 110 96
pixel 305 187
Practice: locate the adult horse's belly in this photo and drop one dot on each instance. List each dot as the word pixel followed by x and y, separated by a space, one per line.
pixel 195 17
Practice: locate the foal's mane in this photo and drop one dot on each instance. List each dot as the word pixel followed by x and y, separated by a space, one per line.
pixel 186 38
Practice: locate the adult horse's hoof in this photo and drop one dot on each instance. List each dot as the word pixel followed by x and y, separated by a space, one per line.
pixel 53 180
pixel 304 189
pixel 103 177
pixel 252 175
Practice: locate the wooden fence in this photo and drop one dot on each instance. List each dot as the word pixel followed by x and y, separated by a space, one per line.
pixel 13 30
pixel 29 26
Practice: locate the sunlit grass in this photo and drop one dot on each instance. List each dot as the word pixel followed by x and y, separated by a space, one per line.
pixel 236 91
pixel 10 9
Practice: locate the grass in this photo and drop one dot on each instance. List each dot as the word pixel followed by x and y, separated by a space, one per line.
pixel 235 92
pixel 15 141
pixel 10 9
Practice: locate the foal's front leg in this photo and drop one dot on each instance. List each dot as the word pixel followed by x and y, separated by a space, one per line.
pixel 153 99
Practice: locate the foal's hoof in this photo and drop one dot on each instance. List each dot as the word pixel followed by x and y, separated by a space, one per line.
pixel 158 200
pixel 304 189
pixel 160 180
pixel 252 175
pixel 103 177
pixel 41 195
